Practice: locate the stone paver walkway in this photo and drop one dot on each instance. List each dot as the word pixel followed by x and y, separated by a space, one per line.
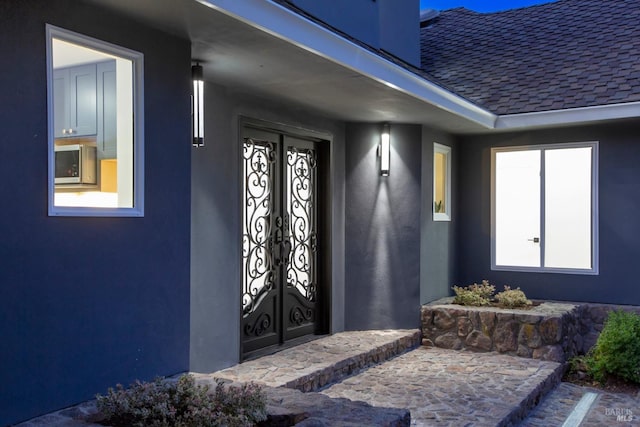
pixel 451 388
pixel 609 409
pixel 377 378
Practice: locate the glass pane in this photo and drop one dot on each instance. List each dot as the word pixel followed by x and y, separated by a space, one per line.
pixel 257 199
pixel 517 209
pixel 93 127
pixel 568 208
pixel 300 198
pixel 440 194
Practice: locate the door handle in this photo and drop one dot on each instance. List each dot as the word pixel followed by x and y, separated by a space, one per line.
pixel 534 240
pixel 286 251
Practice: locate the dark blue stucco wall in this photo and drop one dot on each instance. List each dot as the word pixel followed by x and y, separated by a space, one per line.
pixel 438 238
pixel 89 302
pixel 358 18
pixel 390 25
pixel 619 211
pixel 216 228
pixel 382 229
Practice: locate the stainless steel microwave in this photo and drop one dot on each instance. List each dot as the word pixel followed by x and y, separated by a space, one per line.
pixel 75 164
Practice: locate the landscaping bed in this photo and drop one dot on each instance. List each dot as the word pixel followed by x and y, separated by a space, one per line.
pixel 545 330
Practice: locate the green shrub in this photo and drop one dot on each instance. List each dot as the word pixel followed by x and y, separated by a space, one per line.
pixel 476 295
pixel 617 350
pixel 182 404
pixel 512 298
pixel 578 364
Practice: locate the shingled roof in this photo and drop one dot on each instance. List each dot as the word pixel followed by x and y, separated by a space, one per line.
pixel 560 55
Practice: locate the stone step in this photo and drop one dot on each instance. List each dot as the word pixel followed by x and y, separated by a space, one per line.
pixel 313 365
pixel 287 407
pixel 443 387
pixel 362 382
pixel 293 375
pixel 382 378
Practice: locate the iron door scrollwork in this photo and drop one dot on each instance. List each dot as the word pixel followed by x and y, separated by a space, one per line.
pixel 279 241
pixel 300 233
pixel 259 271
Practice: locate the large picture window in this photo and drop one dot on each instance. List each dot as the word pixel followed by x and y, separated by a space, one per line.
pixel 94 92
pixel 544 208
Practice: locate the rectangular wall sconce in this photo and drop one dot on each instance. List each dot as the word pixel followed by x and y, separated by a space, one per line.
pixel 198 105
pixel 384 150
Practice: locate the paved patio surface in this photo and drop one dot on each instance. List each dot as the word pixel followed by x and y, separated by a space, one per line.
pixel 438 386
pixel 444 387
pixel 608 409
pixel 383 378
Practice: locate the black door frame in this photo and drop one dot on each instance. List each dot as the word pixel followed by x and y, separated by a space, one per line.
pixel 323 146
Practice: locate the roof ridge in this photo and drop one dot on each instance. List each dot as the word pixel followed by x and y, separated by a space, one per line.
pixel 458 9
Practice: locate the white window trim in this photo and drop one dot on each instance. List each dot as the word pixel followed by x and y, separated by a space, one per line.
pixel 446 215
pixel 595 255
pixel 138 125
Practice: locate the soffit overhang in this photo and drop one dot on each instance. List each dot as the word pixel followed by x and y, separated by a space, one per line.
pixel 267 50
pixel 262 48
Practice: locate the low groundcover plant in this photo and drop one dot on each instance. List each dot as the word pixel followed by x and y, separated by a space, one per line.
pixel 182 403
pixel 482 295
pixel 512 298
pixel 476 295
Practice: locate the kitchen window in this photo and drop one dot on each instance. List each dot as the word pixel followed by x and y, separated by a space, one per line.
pixel 545 208
pixel 95 113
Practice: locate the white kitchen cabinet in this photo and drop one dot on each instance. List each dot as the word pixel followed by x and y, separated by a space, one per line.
pixel 75 101
pixel 107 135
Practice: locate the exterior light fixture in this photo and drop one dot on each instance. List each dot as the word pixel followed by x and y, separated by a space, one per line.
pixel 384 150
pixel 198 105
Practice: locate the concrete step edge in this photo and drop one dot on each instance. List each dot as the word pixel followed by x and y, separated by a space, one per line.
pixel 535 398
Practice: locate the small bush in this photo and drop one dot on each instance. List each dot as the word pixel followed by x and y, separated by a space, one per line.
pixel 182 404
pixel 476 295
pixel 577 364
pixel 512 298
pixel 617 350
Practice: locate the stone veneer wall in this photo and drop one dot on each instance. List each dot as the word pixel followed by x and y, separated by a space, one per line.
pixel 592 317
pixel 554 331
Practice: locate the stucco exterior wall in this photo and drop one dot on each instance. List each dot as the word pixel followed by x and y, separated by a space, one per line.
pixel 619 213
pixel 389 25
pixel 89 302
pixel 216 232
pixel 382 229
pixel 437 238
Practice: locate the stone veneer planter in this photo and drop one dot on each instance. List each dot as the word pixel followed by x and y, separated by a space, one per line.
pixel 549 331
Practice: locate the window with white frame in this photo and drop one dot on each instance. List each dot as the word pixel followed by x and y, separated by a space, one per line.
pixel 95 108
pixel 441 182
pixel 545 208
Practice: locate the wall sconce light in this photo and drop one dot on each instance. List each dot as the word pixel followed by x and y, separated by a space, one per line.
pixel 384 150
pixel 198 105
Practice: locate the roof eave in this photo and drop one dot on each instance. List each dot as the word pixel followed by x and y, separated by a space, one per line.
pixel 572 116
pixel 299 31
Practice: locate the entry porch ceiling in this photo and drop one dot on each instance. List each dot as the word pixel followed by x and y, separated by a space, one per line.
pixel 245 56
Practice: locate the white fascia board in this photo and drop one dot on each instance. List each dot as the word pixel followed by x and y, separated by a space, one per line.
pixel 299 31
pixel 569 116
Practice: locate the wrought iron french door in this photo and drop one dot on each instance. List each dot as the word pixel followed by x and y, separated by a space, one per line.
pixel 279 239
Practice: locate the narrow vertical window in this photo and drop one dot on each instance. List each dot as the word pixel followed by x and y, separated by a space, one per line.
pixel 544 208
pixel 441 182
pixel 95 127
